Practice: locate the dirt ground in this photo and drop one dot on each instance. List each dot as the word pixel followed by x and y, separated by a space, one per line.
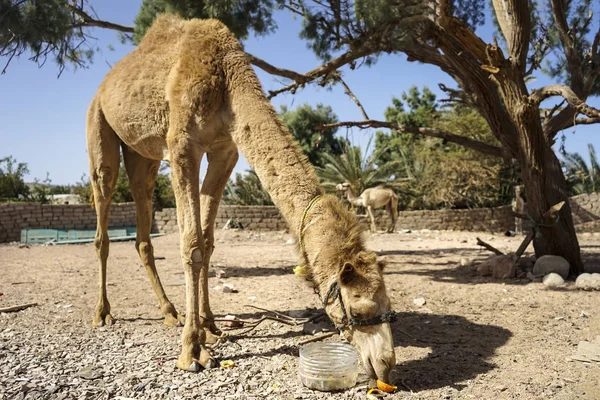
pixel 475 338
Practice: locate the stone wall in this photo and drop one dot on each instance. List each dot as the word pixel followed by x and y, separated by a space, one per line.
pixel 497 219
pixel 17 216
pixel 251 217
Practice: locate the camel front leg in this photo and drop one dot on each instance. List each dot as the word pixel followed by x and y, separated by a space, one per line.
pixel 185 171
pixel 372 217
pixel 221 161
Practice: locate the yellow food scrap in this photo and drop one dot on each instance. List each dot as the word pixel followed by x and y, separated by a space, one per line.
pixel 385 387
pixel 227 364
pixel 301 270
pixel 372 392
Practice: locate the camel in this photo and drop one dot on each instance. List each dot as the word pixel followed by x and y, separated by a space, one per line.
pixel 187 91
pixel 372 199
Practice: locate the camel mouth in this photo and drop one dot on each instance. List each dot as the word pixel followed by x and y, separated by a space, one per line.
pixel 375 345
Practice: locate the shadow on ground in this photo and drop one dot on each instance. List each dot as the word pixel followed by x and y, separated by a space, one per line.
pixel 459 349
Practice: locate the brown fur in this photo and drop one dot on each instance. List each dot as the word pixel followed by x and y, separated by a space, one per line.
pixel 186 91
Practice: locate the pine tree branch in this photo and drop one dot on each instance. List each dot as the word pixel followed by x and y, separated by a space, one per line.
pixel 88 21
pixel 319 72
pixel 568 94
pixel 353 97
pixel 559 14
pixel 587 121
pixel 431 132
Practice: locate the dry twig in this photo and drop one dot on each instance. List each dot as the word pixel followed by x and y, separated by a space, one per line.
pixel 17 308
pixel 489 247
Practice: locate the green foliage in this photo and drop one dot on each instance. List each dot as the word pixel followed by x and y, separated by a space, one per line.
pixel 241 16
pixel 581 177
pixel 83 189
pixel 353 168
pixel 303 122
pixel 43 28
pixel 246 190
pixel 42 190
pixel 470 178
pixel 12 185
pixel 381 25
pixel 163 196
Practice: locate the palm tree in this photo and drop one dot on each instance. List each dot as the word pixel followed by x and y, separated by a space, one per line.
pixel 351 167
pixel 581 178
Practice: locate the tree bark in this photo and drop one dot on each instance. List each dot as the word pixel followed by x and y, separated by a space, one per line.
pixel 545 186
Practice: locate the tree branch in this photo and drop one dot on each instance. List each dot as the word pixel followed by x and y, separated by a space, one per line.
pixel 587 121
pixel 569 95
pixel 514 19
pixel 431 132
pixel 273 70
pixel 559 14
pixel 353 97
pixel 88 20
pixel 302 79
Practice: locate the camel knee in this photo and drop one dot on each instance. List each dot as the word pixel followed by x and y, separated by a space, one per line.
pixel 104 178
pixel 101 242
pixel 144 249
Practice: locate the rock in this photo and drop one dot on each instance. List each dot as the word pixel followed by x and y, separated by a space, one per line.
pixel 220 274
pixel 530 276
pixel 500 267
pixel 232 323
pixel 526 263
pixel 464 262
pixel 290 241
pixel 90 374
pixel 553 280
pixel 227 288
pixel 419 301
pixel 547 264
pixel 588 281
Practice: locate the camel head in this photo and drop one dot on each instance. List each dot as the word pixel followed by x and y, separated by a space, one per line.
pixel 342 187
pixel 350 282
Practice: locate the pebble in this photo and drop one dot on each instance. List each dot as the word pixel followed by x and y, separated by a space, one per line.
pixel 419 301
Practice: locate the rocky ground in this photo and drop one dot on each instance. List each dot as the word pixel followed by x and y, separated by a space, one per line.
pixel 458 335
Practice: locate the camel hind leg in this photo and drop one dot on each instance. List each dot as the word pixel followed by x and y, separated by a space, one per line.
pixel 103 154
pixel 392 209
pixel 142 173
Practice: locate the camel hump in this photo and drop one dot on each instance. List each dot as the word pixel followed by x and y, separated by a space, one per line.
pixel 168 28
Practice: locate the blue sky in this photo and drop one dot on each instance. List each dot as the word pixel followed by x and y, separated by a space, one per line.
pixel 43 117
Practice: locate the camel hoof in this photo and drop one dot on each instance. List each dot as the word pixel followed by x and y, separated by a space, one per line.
pixel 210 363
pixel 100 321
pixel 194 367
pixel 174 321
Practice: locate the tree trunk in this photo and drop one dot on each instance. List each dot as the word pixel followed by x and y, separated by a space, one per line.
pixel 545 187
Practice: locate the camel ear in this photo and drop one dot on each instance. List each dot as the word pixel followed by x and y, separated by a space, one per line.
pixel 382 263
pixel 347 274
